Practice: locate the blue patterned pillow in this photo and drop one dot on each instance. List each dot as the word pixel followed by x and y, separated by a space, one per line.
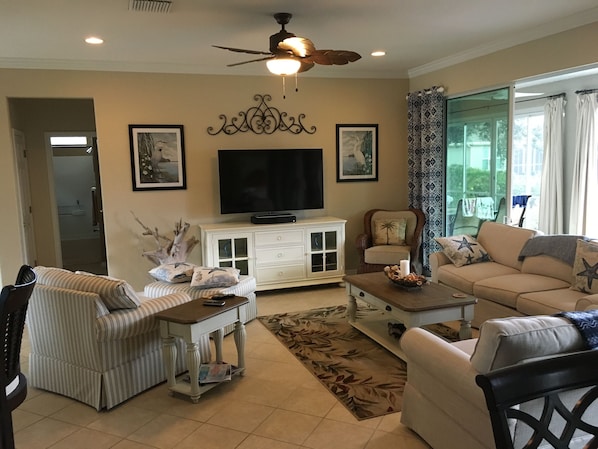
pixel 463 250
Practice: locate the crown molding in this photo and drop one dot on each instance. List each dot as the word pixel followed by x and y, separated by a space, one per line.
pixel 547 29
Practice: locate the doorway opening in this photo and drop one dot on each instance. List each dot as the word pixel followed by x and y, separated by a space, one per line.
pixel 35 120
pixel 77 191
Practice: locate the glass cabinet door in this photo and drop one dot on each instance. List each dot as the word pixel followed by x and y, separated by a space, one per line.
pixel 233 252
pixel 323 251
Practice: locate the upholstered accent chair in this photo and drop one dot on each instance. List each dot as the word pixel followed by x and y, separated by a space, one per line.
pixel 389 237
pixel 94 339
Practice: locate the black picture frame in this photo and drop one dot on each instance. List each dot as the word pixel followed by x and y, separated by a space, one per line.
pixel 356 152
pixel 157 157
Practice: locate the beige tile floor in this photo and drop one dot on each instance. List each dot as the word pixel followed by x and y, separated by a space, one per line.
pixel 277 405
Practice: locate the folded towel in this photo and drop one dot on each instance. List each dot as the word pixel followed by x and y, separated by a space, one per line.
pixel 587 325
pixel 520 200
pixel 560 246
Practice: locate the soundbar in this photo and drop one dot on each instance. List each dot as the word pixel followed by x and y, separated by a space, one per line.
pixel 273 218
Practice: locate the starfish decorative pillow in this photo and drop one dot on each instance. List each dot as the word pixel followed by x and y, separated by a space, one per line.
pixel 463 250
pixel 585 267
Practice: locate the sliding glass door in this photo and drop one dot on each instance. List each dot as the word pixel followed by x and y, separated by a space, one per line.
pixel 476 160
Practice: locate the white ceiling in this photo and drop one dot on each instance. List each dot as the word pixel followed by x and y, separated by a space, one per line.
pixel 418 35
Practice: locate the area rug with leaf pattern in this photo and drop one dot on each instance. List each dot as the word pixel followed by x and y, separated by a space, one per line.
pixel 366 378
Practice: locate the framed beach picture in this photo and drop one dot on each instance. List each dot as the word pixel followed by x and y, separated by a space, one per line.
pixel 157 157
pixel 356 153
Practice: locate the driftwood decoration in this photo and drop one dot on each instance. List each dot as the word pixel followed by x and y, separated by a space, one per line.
pixel 169 249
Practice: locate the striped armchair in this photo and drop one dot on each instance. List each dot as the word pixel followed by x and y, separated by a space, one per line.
pixel 94 339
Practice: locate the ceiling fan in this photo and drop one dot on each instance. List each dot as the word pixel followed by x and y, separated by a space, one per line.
pixel 290 54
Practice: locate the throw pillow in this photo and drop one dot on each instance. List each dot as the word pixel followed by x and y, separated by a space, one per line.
pixel 214 277
pixel 585 267
pixel 114 293
pixel 389 231
pixel 173 272
pixel 463 250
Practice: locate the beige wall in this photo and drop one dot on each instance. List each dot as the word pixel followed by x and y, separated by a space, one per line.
pixel 120 99
pixel 561 51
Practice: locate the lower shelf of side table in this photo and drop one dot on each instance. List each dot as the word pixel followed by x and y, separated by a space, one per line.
pixel 183 384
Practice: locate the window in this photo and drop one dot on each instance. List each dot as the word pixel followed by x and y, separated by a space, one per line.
pixel 476 159
pixel 528 150
pixel 68 141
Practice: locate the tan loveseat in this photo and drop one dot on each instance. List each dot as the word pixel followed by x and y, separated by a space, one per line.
pixel 442 402
pixel 511 285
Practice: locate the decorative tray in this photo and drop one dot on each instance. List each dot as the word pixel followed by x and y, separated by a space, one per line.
pixel 409 282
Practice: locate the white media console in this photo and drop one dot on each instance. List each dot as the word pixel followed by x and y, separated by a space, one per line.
pixel 307 252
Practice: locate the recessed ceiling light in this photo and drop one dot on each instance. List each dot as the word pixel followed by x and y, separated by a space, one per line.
pixel 378 53
pixel 94 40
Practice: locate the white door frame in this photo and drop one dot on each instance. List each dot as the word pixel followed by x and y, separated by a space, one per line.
pixel 26 228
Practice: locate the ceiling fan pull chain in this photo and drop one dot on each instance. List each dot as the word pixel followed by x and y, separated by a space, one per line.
pixel 283 87
pixel 296 82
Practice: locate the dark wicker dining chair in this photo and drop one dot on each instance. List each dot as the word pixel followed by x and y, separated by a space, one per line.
pixel 566 409
pixel 14 300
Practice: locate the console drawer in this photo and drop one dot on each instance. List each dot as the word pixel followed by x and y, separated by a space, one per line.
pixel 282 237
pixel 279 274
pixel 286 254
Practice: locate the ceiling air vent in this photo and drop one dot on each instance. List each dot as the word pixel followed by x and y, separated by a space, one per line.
pixel 150 5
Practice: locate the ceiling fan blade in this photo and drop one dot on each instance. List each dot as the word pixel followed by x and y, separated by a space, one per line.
pixel 305 66
pixel 299 46
pixel 252 60
pixel 333 57
pixel 242 50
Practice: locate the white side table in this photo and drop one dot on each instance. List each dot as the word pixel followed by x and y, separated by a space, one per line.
pixel 190 321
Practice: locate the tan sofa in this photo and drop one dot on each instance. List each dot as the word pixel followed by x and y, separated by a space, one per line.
pixel 442 402
pixel 508 286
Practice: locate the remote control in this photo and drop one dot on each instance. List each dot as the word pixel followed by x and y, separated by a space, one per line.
pixel 222 295
pixel 213 302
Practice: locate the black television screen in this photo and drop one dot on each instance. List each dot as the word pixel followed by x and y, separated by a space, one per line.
pixel 270 180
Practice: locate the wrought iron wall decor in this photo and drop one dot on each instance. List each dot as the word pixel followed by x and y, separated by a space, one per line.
pixel 261 119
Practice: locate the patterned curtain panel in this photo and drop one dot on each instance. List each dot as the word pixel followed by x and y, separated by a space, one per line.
pixel 425 147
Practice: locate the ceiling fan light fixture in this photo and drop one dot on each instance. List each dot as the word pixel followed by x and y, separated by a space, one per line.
pixel 283 66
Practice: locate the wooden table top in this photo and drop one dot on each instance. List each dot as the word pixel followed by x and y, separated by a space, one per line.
pixel 194 311
pixel 430 296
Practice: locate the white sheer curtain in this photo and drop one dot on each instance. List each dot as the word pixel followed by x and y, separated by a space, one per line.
pixel 584 213
pixel 550 219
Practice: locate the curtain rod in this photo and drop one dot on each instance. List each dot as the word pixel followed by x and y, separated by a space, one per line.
pixel 426 91
pixel 586 91
pixel 548 97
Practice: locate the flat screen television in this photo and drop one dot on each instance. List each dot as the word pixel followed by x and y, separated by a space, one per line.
pixel 270 180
